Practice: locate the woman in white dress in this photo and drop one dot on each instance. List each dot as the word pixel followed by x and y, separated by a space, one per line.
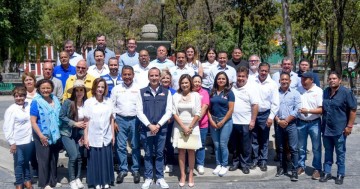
pixel 186 110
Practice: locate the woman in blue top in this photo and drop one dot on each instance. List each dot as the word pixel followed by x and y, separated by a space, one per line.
pixel 220 110
pixel 44 117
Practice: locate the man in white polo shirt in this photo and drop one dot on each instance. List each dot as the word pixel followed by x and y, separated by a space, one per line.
pixel 180 69
pixel 244 117
pixel 124 98
pixel 141 70
pixel 222 66
pixel 309 123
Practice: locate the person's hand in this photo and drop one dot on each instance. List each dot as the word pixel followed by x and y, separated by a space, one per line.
pixel 220 124
pixel 213 124
pixel 44 140
pixel 187 130
pixel 113 140
pixel 347 131
pixel 80 124
pixel 86 143
pixel 251 125
pixel 154 129
pixel 269 122
pixel 116 127
pixel 283 124
pixel 13 148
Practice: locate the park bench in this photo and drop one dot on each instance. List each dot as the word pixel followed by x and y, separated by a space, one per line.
pixel 6 88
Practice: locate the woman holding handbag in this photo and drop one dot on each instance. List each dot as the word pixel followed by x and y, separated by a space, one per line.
pixel 186 132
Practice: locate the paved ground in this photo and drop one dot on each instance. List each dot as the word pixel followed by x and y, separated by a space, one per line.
pixel 232 180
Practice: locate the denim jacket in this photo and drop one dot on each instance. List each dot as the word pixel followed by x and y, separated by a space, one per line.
pixel 67 124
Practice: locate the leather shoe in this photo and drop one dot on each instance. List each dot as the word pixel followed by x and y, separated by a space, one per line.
pixel 325 178
pixel 253 165
pixel 120 177
pixel 339 180
pixel 245 170
pixel 136 176
pixel 233 168
pixel 263 167
pixel 279 172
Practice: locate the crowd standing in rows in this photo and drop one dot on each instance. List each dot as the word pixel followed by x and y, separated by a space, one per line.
pixel 105 102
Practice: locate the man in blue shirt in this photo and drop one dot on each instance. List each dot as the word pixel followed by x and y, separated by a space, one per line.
pixel 161 61
pixel 285 126
pixel 114 77
pixel 339 113
pixel 100 44
pixel 130 57
pixel 64 70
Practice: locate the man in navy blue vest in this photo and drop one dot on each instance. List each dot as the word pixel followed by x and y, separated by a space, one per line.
pixel 154 109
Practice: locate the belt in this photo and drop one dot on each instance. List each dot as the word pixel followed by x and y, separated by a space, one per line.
pixel 264 112
pixel 309 121
pixel 126 117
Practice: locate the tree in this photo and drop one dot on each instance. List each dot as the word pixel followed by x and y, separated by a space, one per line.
pixel 287 27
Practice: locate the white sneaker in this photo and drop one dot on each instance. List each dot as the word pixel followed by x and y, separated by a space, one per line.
pixel 58 185
pixel 106 186
pixel 146 184
pixel 223 171
pixel 162 183
pixel 97 187
pixel 73 185
pixel 48 187
pixel 79 183
pixel 200 169
pixel 168 169
pixel 217 170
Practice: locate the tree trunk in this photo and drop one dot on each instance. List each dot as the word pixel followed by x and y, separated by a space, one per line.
pixel 241 27
pixel 331 36
pixel 210 16
pixel 339 7
pixel 287 26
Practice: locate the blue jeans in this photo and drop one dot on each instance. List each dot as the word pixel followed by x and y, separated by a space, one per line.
pixel 312 129
pixel 221 138
pixel 151 143
pixel 339 143
pixel 292 134
pixel 260 138
pixel 72 148
pixel 21 163
pixel 200 153
pixel 128 130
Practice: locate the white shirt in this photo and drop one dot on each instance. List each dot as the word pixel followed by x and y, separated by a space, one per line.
pixel 93 71
pixel 99 114
pixel 230 72
pixel 176 73
pixel 206 82
pixel 141 77
pixel 166 64
pixel 293 76
pixel 253 75
pixel 311 99
pixel 245 97
pixel 269 96
pixel 124 99
pixel 17 126
pixel 140 109
pixel 73 60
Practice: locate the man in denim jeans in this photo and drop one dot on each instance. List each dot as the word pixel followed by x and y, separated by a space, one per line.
pixel 309 123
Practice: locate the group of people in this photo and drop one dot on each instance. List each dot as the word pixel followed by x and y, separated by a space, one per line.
pixel 103 102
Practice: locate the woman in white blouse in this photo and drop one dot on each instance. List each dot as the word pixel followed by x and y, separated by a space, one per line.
pixel 17 131
pixel 99 136
pixel 192 61
pixel 186 110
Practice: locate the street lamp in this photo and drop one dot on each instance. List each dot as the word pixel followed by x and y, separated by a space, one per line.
pixel 162 2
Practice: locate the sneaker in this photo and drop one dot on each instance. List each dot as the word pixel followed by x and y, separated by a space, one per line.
pixel 97 187
pixel 47 187
pixel 147 184
pixel 106 186
pixel 200 169
pixel 58 185
pixel 223 171
pixel 217 170
pixel 79 183
pixel 300 171
pixel 73 185
pixel 162 183
pixel 294 176
pixel 168 169
pixel 316 175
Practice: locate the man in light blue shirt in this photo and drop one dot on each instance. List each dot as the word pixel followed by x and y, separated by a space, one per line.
pixel 161 60
pixel 287 66
pixel 130 57
pixel 100 44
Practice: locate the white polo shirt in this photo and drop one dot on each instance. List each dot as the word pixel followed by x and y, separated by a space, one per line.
pixel 124 99
pixel 230 72
pixel 93 71
pixel 141 77
pixel 245 97
pixel 176 73
pixel 310 99
pixel 269 96
pixel 206 78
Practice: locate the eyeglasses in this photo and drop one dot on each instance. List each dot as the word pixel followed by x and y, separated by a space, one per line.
pixel 80 68
pixel 253 60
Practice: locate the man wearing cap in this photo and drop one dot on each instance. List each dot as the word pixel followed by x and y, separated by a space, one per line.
pixel 74 57
pixel 141 70
pixel 154 109
pixel 114 77
pixel 48 69
pixel 309 123
pixel 81 69
pixel 287 66
pixel 124 97
pixel 65 69
pixel 161 61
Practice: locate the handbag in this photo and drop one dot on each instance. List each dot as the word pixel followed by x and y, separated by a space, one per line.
pixel 188 141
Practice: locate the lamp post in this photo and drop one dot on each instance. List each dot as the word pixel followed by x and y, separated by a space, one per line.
pixel 162 19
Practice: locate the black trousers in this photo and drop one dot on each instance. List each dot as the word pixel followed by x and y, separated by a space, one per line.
pixel 242 144
pixel 47 168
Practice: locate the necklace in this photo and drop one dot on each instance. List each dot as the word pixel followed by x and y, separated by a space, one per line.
pixel 186 97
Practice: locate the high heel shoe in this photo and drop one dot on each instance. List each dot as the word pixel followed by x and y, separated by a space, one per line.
pixel 191 185
pixel 181 184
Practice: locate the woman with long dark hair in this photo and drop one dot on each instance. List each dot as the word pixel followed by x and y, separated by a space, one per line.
pixel 192 60
pixel 220 111
pixel 72 130
pixel 210 62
